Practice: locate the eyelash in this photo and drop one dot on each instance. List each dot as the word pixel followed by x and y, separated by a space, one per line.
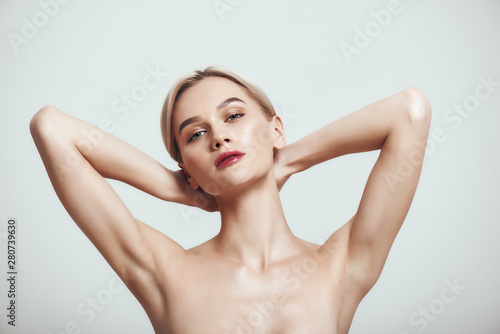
pixel 196 135
pixel 236 114
pixel 193 136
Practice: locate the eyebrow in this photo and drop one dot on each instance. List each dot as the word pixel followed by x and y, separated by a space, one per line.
pixel 219 107
pixel 188 121
pixel 228 101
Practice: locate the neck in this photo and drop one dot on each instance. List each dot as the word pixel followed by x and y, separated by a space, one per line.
pixel 253 226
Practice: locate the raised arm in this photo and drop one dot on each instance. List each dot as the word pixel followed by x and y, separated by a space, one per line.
pixel 78 157
pixel 397 125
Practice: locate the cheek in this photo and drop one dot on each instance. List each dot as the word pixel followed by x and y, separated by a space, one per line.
pixel 190 158
pixel 258 141
pixel 264 136
pixel 193 163
pixel 255 131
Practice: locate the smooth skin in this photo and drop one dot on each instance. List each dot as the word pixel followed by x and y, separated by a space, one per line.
pixel 255 276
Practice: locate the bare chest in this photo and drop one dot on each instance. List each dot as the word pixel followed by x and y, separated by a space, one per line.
pixel 295 299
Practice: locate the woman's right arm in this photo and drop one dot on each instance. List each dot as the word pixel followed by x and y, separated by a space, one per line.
pixel 114 159
pixel 78 157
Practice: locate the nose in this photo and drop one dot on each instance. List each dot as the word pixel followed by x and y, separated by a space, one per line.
pixel 220 138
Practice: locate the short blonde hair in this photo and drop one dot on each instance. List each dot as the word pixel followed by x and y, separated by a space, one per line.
pixel 188 81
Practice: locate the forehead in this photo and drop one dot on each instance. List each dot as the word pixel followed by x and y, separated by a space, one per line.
pixel 205 96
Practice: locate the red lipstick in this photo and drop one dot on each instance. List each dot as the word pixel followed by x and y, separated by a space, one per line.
pixel 228 158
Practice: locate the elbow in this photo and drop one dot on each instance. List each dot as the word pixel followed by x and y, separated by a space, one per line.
pixel 42 122
pixel 418 108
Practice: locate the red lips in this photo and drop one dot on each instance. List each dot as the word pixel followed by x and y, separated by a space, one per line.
pixel 228 158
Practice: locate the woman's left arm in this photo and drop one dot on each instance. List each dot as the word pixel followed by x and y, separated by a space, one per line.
pixel 397 125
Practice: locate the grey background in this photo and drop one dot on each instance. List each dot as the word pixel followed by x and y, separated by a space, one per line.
pixel 88 53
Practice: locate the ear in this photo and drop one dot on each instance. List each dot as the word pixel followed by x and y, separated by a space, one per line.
pixel 192 182
pixel 279 132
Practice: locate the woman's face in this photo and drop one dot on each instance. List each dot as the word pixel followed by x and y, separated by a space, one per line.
pixel 224 138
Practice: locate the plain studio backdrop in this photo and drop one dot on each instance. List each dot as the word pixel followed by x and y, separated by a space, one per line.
pixel 111 63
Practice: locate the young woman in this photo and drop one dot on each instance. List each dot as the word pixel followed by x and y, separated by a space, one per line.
pixel 255 276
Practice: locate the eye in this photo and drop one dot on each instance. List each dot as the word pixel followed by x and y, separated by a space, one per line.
pixel 234 117
pixel 196 136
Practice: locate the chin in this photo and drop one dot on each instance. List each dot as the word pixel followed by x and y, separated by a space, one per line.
pixel 234 183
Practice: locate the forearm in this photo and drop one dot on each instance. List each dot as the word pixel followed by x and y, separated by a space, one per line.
pixel 108 155
pixel 363 130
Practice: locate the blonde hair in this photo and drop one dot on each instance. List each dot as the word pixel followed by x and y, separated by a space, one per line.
pixel 188 81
